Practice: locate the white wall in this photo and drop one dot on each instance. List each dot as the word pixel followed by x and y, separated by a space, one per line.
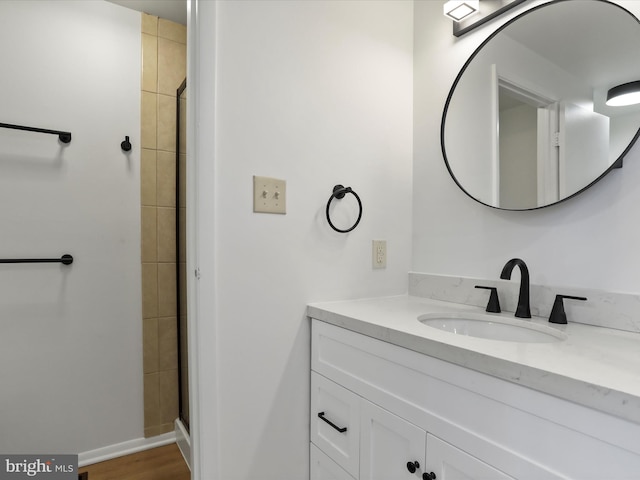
pixel 316 93
pixel 70 337
pixel 588 241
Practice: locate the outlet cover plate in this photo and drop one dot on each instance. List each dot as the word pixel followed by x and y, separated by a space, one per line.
pixel 269 195
pixel 379 254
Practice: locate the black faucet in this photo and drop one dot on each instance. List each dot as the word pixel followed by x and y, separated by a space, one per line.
pixel 523 310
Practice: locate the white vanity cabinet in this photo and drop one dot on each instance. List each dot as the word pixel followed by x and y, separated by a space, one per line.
pixel 404 411
pixel 379 445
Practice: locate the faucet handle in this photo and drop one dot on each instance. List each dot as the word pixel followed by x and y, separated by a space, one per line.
pixel 558 314
pixel 494 304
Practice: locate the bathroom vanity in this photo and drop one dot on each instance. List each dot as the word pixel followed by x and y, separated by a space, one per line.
pixel 394 398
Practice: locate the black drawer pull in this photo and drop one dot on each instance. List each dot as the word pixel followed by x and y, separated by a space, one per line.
pixel 341 430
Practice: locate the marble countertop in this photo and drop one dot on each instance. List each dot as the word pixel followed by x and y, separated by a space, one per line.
pixel 596 367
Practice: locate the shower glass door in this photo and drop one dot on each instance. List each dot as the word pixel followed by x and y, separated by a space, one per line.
pixel 181 251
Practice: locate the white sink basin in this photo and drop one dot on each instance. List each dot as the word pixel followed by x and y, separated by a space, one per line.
pixel 492 327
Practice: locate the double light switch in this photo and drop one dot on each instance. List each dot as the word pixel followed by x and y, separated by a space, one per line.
pixel 269 195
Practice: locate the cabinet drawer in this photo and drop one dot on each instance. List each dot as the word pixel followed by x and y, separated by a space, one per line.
pixel 323 468
pixel 335 422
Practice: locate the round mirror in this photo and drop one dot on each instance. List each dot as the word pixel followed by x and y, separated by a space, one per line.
pixel 525 124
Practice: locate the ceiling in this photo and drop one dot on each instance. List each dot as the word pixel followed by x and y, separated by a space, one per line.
pixel 174 10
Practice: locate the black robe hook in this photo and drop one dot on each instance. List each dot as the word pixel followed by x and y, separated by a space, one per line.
pixel 126 145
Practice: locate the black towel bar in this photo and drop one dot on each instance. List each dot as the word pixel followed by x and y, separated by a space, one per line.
pixel 65 260
pixel 65 137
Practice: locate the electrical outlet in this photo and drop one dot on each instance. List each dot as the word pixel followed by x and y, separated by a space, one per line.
pixel 269 195
pixel 379 252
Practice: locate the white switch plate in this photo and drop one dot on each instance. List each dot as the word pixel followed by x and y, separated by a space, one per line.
pixel 269 195
pixel 379 251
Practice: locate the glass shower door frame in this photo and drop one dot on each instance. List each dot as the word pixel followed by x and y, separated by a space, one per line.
pixel 181 303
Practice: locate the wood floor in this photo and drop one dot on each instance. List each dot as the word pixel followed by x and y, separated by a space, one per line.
pixel 162 463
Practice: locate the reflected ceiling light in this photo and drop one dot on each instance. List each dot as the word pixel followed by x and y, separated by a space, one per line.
pixel 625 94
pixel 457 10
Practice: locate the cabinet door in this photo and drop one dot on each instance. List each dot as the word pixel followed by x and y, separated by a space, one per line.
pixel 387 444
pixel 323 468
pixel 450 463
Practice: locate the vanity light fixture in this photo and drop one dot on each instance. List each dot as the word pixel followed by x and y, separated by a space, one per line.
pixel 625 94
pixel 458 10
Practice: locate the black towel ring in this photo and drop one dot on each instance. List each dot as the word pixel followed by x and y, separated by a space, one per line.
pixel 339 191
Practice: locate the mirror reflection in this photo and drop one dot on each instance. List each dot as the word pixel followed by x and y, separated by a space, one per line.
pixel 526 124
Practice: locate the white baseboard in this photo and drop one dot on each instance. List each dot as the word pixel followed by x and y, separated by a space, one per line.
pixel 125 448
pixel 184 442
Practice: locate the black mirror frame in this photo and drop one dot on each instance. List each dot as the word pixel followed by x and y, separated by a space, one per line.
pixel 617 164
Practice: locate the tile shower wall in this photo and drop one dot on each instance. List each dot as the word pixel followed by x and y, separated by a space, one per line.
pixel 163 70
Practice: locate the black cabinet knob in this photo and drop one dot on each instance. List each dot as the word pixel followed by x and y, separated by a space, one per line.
pixel 412 466
pixel 428 476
